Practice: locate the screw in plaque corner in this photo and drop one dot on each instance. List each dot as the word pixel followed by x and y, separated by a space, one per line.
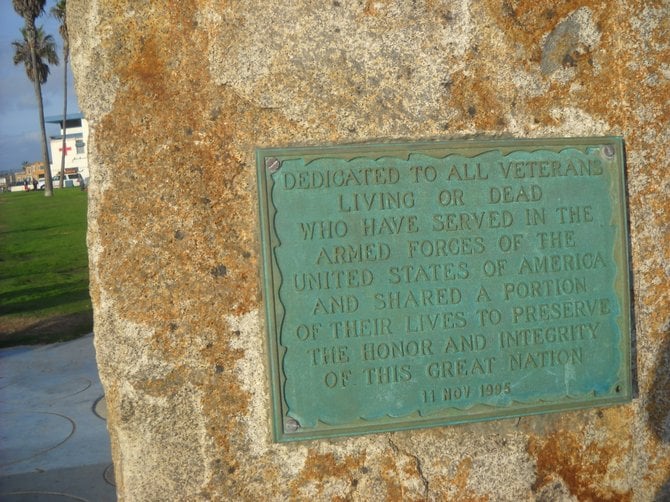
pixel 291 425
pixel 608 151
pixel 272 164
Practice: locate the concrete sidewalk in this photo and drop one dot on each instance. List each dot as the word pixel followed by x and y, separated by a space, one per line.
pixel 54 444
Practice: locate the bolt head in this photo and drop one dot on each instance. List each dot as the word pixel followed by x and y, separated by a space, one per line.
pixel 608 151
pixel 291 425
pixel 272 164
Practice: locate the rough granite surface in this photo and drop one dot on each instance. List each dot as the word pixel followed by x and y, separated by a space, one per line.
pixel 178 95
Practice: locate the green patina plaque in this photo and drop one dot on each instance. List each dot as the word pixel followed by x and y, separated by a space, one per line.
pixel 423 284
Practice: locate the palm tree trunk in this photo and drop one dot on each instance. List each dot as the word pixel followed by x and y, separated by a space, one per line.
pixel 48 190
pixel 62 158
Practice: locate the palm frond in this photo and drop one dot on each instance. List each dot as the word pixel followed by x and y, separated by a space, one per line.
pixel 29 9
pixel 45 47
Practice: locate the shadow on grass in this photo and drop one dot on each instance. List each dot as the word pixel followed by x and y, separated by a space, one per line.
pixel 27 229
pixel 31 277
pixel 30 331
pixel 44 301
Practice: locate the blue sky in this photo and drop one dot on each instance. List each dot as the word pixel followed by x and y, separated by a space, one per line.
pixel 19 122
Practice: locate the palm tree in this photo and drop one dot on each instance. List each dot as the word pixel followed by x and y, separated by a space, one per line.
pixel 36 69
pixel 58 11
pixel 46 50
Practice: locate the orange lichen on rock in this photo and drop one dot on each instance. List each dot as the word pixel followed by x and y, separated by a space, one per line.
pixel 322 467
pixel 164 100
pixel 460 484
pixel 477 101
pixel 584 466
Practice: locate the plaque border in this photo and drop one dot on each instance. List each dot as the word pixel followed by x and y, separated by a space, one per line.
pixel 269 159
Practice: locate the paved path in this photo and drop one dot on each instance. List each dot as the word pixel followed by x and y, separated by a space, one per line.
pixel 54 444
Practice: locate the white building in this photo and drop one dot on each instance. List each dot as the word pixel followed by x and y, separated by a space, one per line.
pixel 76 145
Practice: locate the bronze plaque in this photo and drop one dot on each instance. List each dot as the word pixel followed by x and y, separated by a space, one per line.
pixel 423 284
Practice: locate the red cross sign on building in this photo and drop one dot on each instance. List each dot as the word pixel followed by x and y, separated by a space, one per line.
pixel 67 149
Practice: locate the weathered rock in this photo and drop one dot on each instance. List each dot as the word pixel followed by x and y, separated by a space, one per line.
pixel 178 95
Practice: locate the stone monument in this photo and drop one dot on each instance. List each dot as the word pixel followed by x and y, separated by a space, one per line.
pixel 184 98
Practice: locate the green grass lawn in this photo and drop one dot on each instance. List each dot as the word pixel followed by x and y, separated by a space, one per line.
pixel 43 267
